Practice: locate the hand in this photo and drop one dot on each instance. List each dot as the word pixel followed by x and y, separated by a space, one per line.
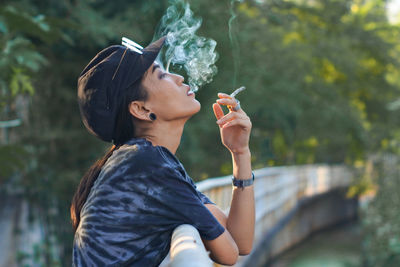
pixel 235 127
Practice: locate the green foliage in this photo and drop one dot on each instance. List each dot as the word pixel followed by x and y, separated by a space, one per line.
pixel 20 83
pixel 19 60
pixel 382 221
pixel 21 35
pixel 313 69
pixel 19 57
pixel 21 32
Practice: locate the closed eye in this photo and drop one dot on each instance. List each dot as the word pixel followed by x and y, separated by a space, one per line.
pixel 162 74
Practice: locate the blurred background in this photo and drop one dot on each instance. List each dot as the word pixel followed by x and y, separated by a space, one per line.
pixel 323 86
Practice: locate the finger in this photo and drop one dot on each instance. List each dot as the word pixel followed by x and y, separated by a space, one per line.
pixel 223 95
pixel 229 124
pixel 230 116
pixel 245 120
pixel 239 122
pixel 218 112
pixel 227 102
pixel 230 103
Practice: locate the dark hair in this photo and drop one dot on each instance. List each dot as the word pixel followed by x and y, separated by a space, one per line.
pixel 124 130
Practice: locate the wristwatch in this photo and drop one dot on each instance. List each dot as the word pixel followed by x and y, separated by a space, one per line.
pixel 243 183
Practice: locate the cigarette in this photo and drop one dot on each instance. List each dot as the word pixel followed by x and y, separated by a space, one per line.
pixel 169 62
pixel 237 91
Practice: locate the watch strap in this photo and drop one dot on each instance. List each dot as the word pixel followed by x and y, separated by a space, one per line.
pixel 243 183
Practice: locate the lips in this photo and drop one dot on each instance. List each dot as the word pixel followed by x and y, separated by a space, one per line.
pixel 189 92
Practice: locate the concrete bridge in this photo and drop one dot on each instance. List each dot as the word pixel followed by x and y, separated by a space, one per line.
pixel 291 203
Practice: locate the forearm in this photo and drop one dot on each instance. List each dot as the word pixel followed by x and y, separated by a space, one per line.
pixel 241 218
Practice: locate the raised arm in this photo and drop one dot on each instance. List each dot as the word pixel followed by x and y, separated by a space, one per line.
pixel 235 128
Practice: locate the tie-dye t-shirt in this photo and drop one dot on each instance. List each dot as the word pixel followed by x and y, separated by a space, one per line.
pixel 140 196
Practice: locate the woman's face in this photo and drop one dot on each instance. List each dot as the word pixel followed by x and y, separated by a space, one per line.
pixel 168 97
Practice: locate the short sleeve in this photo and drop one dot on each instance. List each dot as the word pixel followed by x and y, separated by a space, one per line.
pixel 204 198
pixel 179 202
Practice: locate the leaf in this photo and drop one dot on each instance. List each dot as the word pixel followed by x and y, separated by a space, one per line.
pixel 21 53
pixel 20 83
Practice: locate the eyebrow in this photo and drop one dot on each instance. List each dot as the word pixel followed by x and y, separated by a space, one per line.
pixel 155 66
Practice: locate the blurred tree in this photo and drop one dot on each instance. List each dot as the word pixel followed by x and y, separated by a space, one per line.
pixel 319 75
pixel 18 63
pixel 21 33
pixel 317 78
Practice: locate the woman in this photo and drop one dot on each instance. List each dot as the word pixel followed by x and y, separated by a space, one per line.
pixel 130 201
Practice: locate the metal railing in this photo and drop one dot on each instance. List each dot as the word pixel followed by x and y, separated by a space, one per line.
pixel 187 249
pixel 277 191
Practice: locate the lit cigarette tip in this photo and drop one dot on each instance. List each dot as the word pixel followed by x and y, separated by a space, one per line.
pixel 237 91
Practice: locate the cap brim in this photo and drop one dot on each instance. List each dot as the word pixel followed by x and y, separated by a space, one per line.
pixel 151 52
pixel 155 46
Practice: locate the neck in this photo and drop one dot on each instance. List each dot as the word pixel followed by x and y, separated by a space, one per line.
pixel 164 133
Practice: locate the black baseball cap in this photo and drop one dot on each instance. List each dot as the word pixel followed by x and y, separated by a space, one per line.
pixel 103 82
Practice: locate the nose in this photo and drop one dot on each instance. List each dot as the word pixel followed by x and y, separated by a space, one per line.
pixel 178 79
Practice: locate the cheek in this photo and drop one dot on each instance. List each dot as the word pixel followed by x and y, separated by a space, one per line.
pixel 163 101
pixel 156 92
pixel 168 93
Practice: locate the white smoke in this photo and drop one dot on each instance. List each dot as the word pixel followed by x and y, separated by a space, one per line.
pixel 184 48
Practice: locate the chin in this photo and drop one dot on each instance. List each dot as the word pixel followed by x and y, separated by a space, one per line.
pixel 196 108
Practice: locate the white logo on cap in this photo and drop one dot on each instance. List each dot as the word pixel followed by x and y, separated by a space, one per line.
pixel 132 45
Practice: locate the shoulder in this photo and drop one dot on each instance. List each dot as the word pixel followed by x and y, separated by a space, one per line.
pixel 142 152
pixel 139 155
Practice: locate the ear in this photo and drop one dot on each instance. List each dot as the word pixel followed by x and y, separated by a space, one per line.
pixel 139 111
